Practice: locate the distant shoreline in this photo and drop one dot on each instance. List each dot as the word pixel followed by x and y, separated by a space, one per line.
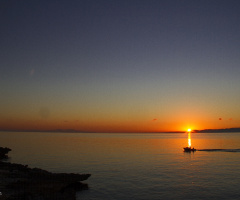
pixel 224 130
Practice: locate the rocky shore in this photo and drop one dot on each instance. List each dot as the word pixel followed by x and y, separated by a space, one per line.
pixel 19 182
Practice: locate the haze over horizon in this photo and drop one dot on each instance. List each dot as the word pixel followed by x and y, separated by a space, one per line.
pixel 120 66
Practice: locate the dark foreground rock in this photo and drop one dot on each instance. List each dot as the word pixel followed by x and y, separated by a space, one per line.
pixel 19 182
pixel 3 152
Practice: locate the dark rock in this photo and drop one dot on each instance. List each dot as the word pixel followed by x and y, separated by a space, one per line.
pixel 21 182
pixel 76 186
pixel 3 152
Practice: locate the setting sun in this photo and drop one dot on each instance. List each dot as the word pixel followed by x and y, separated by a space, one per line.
pixel 189 130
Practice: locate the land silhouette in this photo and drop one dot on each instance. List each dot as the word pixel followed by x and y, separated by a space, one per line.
pixel 22 182
pixel 223 130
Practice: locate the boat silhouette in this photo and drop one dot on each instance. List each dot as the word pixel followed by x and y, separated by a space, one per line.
pixel 189 149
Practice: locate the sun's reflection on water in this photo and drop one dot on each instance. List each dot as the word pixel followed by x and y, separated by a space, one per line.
pixel 189 139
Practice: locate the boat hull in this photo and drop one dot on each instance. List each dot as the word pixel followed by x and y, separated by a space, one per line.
pixel 189 149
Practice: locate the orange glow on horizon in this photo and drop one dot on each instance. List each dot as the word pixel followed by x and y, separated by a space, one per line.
pixel 105 124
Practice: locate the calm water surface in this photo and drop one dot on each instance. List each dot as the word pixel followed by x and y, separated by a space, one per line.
pixel 136 166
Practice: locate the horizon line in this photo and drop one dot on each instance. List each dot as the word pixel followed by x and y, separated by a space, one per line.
pixel 233 129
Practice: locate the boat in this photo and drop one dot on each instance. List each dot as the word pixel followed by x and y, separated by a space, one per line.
pixel 189 149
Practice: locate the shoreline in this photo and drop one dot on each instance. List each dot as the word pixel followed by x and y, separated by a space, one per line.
pixel 20 182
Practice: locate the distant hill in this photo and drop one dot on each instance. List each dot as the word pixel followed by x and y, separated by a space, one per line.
pixel 225 130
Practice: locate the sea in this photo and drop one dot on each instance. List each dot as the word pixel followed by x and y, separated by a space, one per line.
pixel 136 166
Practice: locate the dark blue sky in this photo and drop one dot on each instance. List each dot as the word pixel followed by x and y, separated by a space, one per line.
pixel 121 62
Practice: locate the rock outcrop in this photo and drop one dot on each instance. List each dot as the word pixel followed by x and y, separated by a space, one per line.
pixel 3 152
pixel 19 182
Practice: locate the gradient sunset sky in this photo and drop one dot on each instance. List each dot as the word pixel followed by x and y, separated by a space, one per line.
pixel 119 65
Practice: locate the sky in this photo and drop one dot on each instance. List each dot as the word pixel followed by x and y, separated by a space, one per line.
pixel 119 65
